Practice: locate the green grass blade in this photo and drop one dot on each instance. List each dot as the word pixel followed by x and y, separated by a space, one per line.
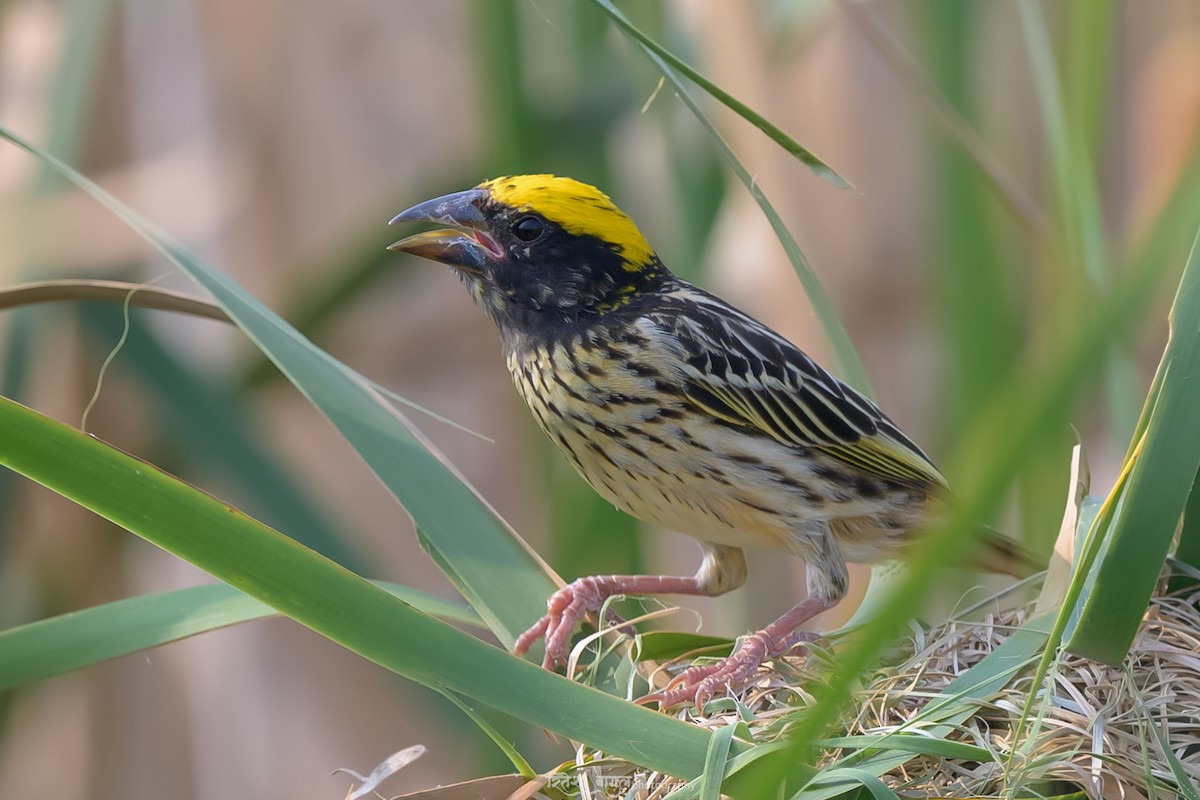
pixel 849 364
pixel 910 743
pixel 140 295
pixel 947 117
pixel 331 600
pixel 667 645
pixel 1157 492
pixel 217 426
pixel 1089 538
pixel 84 26
pixel 67 642
pixel 346 272
pixel 1088 72
pixel 1005 429
pixel 510 752
pixel 845 778
pixel 16 359
pixel 500 576
pixel 1068 118
pixel 715 761
pixel 1189 536
pixel 1074 177
pixel 1185 783
pixel 663 56
pixel 70 96
pixel 977 300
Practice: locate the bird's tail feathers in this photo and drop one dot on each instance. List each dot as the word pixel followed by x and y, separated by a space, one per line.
pixel 999 553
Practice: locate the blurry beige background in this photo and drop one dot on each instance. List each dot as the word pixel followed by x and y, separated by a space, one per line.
pixel 277 138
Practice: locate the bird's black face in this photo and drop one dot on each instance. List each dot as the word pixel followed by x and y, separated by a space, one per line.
pixel 529 271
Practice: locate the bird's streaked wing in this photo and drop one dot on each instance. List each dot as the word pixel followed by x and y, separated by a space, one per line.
pixel 746 375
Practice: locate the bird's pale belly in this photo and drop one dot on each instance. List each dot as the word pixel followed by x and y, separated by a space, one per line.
pixel 684 472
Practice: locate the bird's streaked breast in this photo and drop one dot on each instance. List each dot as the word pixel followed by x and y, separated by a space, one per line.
pixel 616 410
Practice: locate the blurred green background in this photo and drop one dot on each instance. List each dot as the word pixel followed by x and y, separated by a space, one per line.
pixel 276 139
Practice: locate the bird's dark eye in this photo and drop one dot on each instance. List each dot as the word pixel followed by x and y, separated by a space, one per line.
pixel 528 228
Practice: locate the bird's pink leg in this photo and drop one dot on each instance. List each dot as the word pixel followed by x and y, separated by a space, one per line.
pixel 723 569
pixel 698 684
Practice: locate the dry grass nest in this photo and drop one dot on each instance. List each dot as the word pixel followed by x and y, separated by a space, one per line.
pixel 1130 731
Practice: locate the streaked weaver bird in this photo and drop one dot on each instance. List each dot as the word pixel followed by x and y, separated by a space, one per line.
pixel 681 411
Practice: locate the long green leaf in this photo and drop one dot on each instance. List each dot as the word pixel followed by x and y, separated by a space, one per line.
pixel 844 778
pixel 911 743
pixel 715 762
pixel 141 295
pixel 850 365
pixel 1072 119
pixel 1157 492
pixel 1074 177
pixel 1189 534
pixel 946 116
pixel 506 747
pixel 497 573
pixel 330 600
pixel 664 56
pixel 1185 783
pixel 67 104
pixel 67 642
pixel 216 425
pixel 1004 430
pixel 15 361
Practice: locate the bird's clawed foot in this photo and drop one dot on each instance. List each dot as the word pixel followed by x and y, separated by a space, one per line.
pixel 698 685
pixel 563 610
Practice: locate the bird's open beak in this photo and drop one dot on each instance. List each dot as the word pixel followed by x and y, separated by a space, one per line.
pixel 468 251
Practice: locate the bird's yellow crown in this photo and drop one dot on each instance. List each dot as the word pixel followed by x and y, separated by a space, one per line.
pixel 579 208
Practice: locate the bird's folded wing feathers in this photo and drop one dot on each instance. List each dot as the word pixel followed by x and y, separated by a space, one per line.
pixel 746 375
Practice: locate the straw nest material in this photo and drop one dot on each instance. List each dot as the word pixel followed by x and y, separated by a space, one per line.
pixel 1131 731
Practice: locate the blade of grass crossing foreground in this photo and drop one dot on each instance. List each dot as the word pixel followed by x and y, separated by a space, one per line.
pixel 219 427
pixel 67 642
pixel 1005 429
pixel 330 600
pixel 1073 119
pixel 1159 485
pixel 1074 175
pixel 982 324
pixel 140 295
pixel 500 576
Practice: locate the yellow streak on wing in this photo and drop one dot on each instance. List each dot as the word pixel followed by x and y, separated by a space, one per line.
pixel 579 208
pixel 878 455
pixel 887 458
